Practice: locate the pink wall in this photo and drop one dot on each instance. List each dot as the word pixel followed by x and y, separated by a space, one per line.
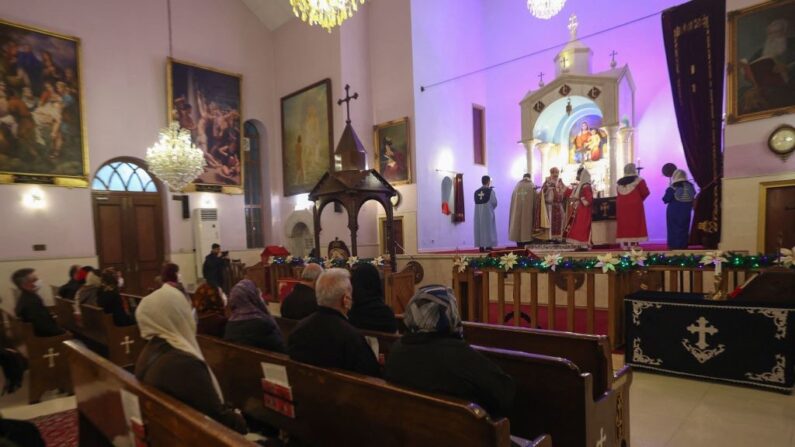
pixel 124 50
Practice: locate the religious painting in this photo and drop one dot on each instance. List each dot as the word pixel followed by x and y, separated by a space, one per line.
pixel 207 102
pixel 587 140
pixel 42 136
pixel 307 135
pixel 393 151
pixel 762 61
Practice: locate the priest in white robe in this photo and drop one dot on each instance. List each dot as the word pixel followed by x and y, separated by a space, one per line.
pixel 520 227
pixel 485 224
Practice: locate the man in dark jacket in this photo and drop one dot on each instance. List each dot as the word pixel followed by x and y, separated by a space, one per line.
pixel 302 302
pixel 433 356
pixel 30 308
pixel 325 338
pixel 213 268
pixel 69 289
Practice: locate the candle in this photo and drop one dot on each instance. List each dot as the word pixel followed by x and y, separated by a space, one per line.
pixel 638 163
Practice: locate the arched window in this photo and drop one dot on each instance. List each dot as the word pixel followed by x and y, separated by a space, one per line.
pixel 253 187
pixel 123 176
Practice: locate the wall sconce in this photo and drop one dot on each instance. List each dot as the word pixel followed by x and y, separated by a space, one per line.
pixel 34 199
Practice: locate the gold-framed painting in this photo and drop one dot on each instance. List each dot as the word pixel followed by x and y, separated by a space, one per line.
pixel 392 143
pixel 42 127
pixel 761 61
pixel 307 137
pixel 208 103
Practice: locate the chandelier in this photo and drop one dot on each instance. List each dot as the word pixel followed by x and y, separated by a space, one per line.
pixel 326 13
pixel 545 9
pixel 174 159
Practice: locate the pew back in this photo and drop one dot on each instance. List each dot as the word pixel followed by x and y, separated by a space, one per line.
pixel 168 422
pixel 339 408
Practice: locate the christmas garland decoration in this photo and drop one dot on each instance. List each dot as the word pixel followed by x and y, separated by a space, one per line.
pixel 295 261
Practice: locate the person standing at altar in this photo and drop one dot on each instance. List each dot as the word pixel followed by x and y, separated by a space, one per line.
pixel 552 215
pixel 679 197
pixel 630 214
pixel 520 227
pixel 578 227
pixel 485 224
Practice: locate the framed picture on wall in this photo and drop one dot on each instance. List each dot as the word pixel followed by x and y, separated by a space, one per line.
pixel 393 151
pixel 42 127
pixel 307 134
pixel 208 102
pixel 762 61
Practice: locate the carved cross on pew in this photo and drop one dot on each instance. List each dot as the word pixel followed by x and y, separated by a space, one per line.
pixel 347 101
pixel 126 343
pixel 602 438
pixel 50 356
pixel 702 329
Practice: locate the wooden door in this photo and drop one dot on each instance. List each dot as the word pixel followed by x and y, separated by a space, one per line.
pixel 397 229
pixel 129 236
pixel 779 215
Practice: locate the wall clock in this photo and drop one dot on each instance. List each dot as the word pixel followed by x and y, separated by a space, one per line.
pixel 782 141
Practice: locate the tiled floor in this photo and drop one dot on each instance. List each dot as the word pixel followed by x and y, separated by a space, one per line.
pixel 665 411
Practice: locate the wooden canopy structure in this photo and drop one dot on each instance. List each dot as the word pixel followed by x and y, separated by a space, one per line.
pixel 352 188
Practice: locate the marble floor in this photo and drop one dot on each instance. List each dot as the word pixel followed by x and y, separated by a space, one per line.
pixel 665 411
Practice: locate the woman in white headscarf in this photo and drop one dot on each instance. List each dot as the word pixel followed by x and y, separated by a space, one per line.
pixel 172 362
pixel 578 228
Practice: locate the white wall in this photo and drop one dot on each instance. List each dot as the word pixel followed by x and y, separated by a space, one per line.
pixel 124 50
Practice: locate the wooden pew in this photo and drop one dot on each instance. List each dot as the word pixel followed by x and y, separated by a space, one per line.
pixel 46 359
pixel 335 408
pixel 120 344
pixel 168 422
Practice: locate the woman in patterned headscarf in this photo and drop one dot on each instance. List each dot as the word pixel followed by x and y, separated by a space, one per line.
pixel 433 356
pixel 250 322
pixel 210 309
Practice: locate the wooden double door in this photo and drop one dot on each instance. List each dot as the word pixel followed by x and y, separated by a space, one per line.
pixel 129 236
pixel 779 217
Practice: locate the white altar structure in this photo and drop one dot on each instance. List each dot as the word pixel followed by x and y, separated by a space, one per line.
pixel 581 118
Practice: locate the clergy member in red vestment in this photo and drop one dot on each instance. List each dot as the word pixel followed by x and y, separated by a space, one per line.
pixel 552 216
pixel 630 215
pixel 578 228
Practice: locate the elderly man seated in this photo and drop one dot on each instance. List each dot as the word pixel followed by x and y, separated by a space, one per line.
pixel 326 338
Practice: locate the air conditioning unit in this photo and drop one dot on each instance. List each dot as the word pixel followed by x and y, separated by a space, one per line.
pixel 206 232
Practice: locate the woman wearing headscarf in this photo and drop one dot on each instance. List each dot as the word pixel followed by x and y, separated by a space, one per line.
pixel 210 309
pixel 578 227
pixel 88 293
pixel 172 362
pixel 369 311
pixel 679 197
pixel 433 356
pixel 250 322
pixel 110 300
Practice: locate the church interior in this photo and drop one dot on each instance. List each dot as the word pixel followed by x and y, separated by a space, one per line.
pixel 595 199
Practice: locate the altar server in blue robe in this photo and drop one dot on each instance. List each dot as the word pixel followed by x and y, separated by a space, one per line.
pixel 679 197
pixel 485 225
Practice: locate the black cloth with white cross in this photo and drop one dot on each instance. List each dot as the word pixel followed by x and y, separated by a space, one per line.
pixel 746 343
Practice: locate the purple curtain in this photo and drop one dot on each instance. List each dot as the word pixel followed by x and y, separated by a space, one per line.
pixel 694 35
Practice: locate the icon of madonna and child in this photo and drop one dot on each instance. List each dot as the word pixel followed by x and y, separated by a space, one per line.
pixel 587 141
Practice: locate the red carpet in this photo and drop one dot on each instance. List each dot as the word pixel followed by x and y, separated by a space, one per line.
pixel 580 322
pixel 58 429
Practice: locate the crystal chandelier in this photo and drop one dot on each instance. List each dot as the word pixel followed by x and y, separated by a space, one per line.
pixel 174 159
pixel 545 9
pixel 326 13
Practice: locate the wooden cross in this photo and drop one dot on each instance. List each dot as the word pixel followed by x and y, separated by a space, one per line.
pixel 541 79
pixel 50 356
pixel 613 55
pixel 126 343
pixel 702 329
pixel 605 208
pixel 602 438
pixel 347 101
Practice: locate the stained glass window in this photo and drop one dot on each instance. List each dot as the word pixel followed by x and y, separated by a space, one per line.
pixel 123 176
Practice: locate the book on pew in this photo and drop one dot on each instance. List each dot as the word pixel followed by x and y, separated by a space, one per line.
pixel 132 414
pixel 278 395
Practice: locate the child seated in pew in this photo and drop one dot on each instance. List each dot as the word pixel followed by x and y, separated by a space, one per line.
pixel 109 298
pixel 172 361
pixel 432 356
pixel 250 322
pixel 369 311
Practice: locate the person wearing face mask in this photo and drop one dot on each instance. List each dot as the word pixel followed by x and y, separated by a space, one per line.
pixel 30 308
pixel 326 338
pixel 110 300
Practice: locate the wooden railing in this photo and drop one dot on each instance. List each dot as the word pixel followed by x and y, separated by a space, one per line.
pixel 477 289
